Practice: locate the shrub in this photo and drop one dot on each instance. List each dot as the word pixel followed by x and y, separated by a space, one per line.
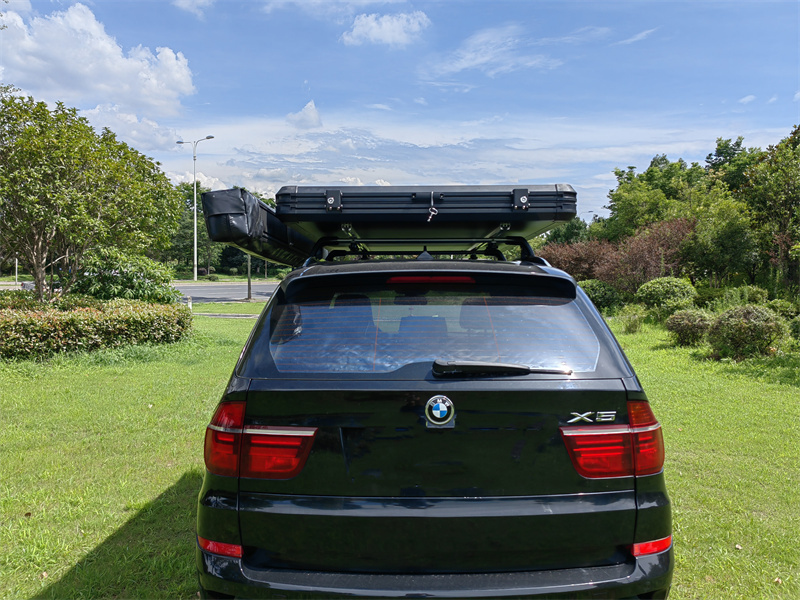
pixel 233 271
pixel 707 296
pixel 582 259
pixel 652 252
pixel 665 295
pixel 745 331
pixel 202 272
pixel 784 308
pixel 111 274
pixel 730 297
pixel 40 333
pixel 632 316
pixel 602 294
pixel 213 277
pixel 688 327
pixel 794 328
pixel 752 294
pixel 18 300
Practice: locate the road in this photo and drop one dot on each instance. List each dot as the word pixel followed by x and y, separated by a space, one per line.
pixel 206 291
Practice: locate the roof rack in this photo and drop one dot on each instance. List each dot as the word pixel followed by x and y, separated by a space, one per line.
pixel 323 223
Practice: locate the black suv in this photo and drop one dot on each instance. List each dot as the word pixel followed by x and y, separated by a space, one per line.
pixel 429 427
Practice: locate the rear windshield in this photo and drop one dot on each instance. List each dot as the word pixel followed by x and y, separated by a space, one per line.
pixel 381 330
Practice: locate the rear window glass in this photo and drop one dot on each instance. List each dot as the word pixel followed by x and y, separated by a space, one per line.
pixel 380 331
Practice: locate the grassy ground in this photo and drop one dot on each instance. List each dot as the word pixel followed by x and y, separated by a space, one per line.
pixel 101 461
pixel 733 467
pixel 241 308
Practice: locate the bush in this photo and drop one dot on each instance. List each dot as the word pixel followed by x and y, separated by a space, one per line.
pixel 752 294
pixel 111 274
pixel 632 316
pixel 666 295
pixel 726 298
pixel 688 327
pixel 794 328
pixel 213 277
pixel 707 296
pixel 39 333
pixel 745 331
pixel 18 300
pixel 784 308
pixel 233 271
pixel 602 294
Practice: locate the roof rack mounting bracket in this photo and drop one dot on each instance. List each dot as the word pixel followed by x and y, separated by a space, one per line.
pixel 521 201
pixel 333 200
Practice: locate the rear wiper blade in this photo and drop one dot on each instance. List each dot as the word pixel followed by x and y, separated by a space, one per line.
pixel 471 368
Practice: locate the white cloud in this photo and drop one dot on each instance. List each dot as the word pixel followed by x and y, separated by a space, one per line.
pixel 308 118
pixel 493 51
pixel 747 99
pixel 142 133
pixel 637 38
pixel 797 97
pixel 581 36
pixel 69 56
pixel 196 7
pixel 393 30
pixel 17 6
pixel 326 9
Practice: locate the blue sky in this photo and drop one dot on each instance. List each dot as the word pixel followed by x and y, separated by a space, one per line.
pixel 396 92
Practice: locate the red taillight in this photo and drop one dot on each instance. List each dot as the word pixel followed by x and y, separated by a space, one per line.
pixel 605 451
pixel 261 452
pixel 653 547
pixel 275 452
pixel 231 550
pixel 602 451
pixel 223 439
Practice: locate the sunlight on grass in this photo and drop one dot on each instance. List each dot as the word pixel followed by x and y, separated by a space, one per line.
pixel 101 464
pixel 733 470
pixel 242 308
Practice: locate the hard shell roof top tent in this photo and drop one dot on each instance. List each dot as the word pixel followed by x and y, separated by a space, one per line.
pixel 328 222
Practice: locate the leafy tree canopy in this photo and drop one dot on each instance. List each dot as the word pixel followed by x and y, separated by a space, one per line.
pixel 67 192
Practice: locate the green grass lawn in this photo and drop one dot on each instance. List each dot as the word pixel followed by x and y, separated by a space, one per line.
pixel 732 433
pixel 101 461
pixel 242 308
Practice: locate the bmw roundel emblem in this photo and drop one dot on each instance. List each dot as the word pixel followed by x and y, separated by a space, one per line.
pixel 439 410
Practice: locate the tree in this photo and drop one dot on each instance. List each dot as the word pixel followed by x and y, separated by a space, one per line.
pixel 666 190
pixel 772 191
pixel 67 192
pixel 730 161
pixel 723 244
pixel 181 247
pixel 574 230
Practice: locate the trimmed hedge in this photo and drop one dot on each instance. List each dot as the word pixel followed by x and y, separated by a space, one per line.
pixel 666 295
pixel 46 330
pixel 602 294
pixel 688 327
pixel 746 331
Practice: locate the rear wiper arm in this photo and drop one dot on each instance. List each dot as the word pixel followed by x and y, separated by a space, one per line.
pixel 471 368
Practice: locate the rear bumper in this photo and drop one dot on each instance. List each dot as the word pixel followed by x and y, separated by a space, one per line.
pixel 639 577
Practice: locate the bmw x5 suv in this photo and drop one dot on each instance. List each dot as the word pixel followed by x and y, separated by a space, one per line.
pixel 431 427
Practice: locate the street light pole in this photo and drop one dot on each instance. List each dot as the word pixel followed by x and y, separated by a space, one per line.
pixel 194 184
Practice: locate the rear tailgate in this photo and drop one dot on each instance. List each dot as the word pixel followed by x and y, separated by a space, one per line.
pixel 384 491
